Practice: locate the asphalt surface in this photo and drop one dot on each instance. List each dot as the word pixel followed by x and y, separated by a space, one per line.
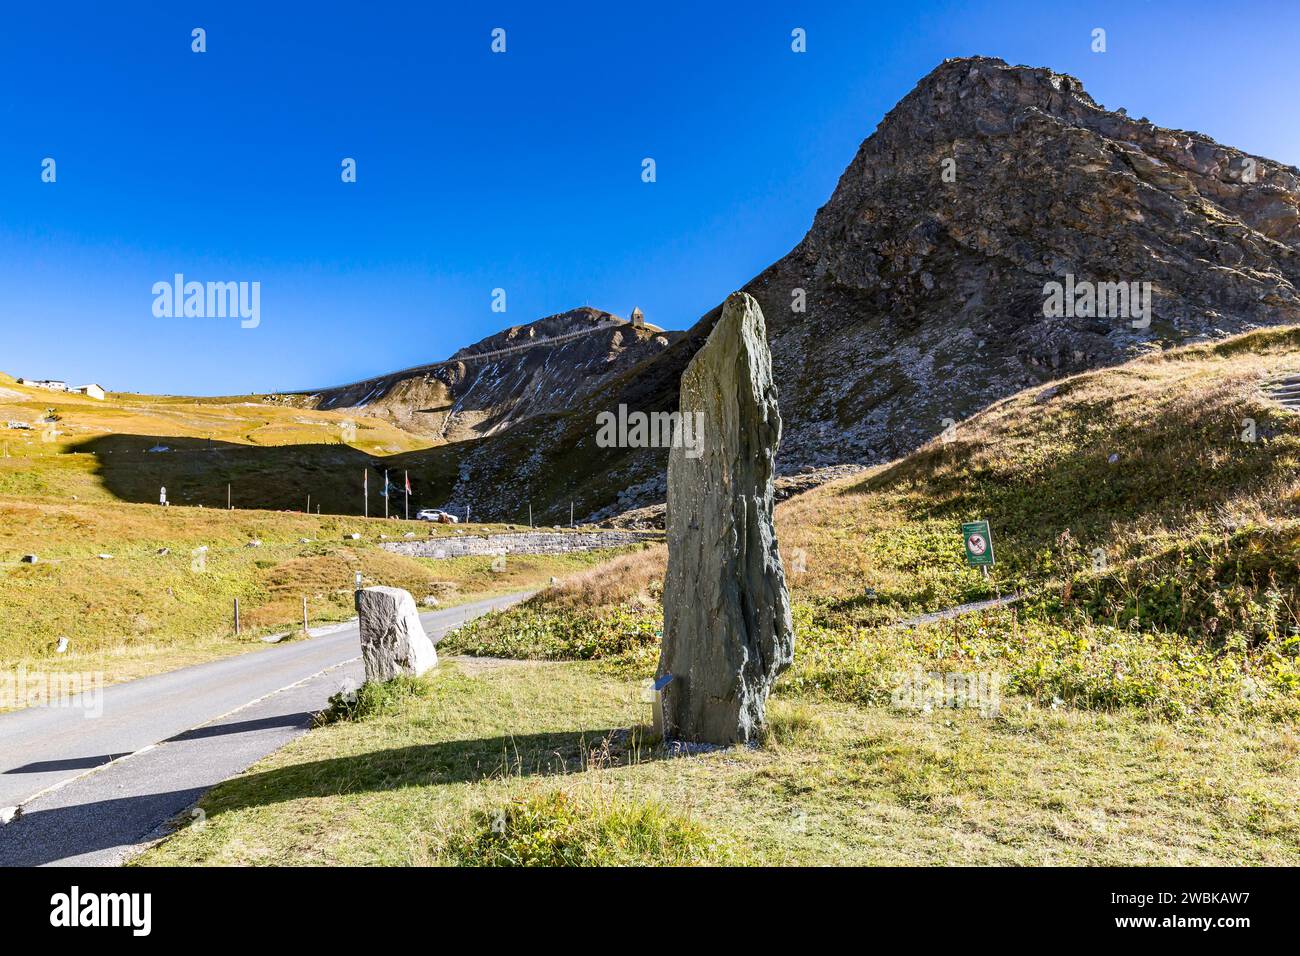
pixel 98 778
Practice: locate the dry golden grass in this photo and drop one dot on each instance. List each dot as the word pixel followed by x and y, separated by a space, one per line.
pixel 1173 422
pixel 635 579
pixel 143 611
pixel 239 420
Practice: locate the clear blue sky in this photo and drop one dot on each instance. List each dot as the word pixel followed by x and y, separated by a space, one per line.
pixel 476 171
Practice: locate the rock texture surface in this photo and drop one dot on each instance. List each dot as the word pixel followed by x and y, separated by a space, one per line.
pixel 925 298
pixel 727 626
pixel 393 640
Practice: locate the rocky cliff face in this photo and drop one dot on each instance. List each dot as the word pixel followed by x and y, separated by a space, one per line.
pixel 924 274
pixel 922 282
pixel 468 397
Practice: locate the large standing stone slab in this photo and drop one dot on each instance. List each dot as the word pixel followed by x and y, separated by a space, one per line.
pixel 727 627
pixel 393 640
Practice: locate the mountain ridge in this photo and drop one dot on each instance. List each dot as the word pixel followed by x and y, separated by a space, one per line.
pixel 924 298
pixel 484 388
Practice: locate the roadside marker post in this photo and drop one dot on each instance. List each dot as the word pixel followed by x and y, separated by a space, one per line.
pixel 657 704
pixel 236 617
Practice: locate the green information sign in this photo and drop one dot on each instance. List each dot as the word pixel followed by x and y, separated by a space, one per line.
pixel 978 541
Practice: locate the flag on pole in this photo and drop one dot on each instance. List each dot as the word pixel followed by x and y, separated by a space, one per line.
pixel 408 482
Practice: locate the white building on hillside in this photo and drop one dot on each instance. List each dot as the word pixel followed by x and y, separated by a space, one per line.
pixel 54 385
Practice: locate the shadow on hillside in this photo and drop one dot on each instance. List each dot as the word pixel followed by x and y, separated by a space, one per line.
pixel 1177 461
pixel 196 472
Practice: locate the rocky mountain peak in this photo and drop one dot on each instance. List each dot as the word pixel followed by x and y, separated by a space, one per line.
pixel 922 292
pixel 924 275
pixel 544 366
pixel 966 106
pixel 580 319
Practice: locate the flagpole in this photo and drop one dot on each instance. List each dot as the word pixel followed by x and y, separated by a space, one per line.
pixel 386 487
pixel 365 483
pixel 407 476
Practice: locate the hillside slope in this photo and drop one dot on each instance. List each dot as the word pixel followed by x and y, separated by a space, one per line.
pixel 1149 515
pixel 128 447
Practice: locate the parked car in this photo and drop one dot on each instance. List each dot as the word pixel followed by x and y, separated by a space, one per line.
pixel 434 514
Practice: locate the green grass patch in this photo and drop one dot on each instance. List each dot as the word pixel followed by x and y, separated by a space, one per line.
pixel 623 637
pixel 1077 664
pixel 557 829
pixel 535 762
pixel 373 699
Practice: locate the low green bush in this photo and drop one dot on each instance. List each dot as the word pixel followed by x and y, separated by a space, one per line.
pixel 374 699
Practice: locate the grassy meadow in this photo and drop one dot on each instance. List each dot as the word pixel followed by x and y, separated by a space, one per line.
pixel 541 763
pixel 137 588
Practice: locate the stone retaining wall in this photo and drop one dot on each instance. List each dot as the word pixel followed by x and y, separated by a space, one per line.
pixel 524 542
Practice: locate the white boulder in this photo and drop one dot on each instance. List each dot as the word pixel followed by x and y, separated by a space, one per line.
pixel 393 640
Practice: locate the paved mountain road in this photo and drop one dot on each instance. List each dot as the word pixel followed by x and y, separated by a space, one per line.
pixel 92 789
